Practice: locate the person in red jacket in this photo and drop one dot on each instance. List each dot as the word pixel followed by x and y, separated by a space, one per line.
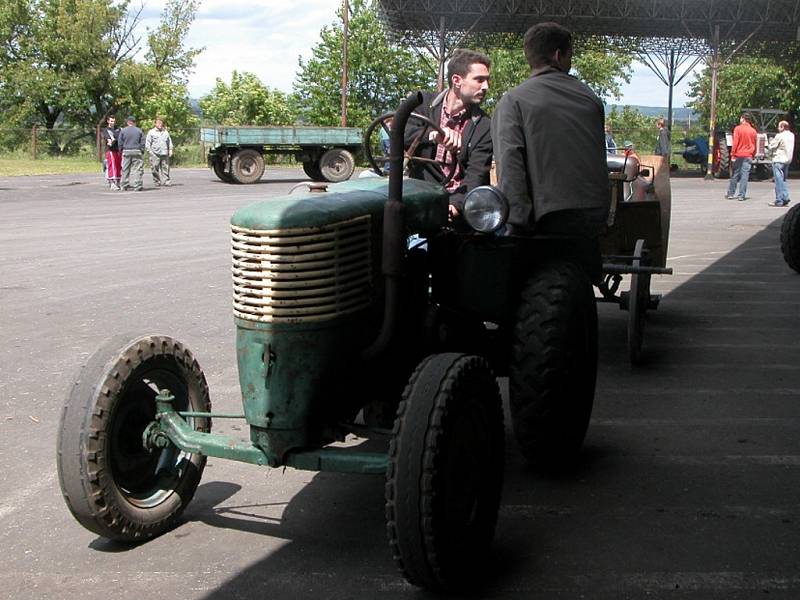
pixel 742 153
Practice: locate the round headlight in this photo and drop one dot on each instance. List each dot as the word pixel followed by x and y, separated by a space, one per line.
pixel 486 209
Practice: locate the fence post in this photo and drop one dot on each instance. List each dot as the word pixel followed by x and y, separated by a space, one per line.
pixel 33 142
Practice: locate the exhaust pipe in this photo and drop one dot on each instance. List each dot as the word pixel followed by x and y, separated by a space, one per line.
pixel 394 234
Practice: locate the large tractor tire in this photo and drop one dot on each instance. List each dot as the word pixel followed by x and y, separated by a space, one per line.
pixel 553 364
pixel 337 165
pixel 722 166
pixel 110 482
pixel 247 166
pixel 445 473
pixel 790 238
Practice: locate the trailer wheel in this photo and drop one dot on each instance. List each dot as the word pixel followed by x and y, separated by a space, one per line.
pixel 247 166
pixel 445 472
pixel 790 238
pixel 336 165
pixel 112 485
pixel 311 168
pixel 553 364
pixel 219 170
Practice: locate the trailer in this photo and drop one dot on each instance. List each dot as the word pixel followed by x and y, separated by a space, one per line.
pixel 236 154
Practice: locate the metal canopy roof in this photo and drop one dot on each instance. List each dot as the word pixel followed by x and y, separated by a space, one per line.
pixel 765 20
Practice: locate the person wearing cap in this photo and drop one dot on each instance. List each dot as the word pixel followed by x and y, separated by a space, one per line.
pixel 159 145
pixel 131 142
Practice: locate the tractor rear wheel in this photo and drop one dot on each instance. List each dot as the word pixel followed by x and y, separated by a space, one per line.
pixel 445 472
pixel 790 238
pixel 111 483
pixel 247 166
pixel 553 364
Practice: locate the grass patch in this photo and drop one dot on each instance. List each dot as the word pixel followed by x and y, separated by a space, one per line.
pixel 48 166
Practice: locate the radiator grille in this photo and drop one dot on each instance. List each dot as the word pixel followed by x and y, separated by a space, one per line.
pixel 297 275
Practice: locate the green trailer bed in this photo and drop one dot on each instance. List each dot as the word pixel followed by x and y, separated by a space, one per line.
pixel 236 154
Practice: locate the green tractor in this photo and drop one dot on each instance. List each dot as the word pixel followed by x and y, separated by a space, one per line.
pixel 344 325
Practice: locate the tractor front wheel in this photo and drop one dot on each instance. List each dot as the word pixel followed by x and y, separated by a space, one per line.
pixel 445 472
pixel 113 485
pixel 553 364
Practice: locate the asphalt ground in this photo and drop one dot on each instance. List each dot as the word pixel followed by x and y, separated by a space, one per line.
pixel 687 487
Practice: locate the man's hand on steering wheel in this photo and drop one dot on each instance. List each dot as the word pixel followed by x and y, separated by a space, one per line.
pixel 449 138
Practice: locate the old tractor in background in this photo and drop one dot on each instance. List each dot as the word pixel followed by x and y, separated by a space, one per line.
pixel 765 120
pixel 345 326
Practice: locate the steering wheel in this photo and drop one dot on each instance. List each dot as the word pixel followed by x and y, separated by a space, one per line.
pixel 435 168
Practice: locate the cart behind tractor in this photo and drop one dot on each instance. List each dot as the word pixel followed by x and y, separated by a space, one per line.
pixel 343 326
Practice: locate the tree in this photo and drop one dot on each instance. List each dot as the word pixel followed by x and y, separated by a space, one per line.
pixel 246 101
pixel 381 73
pixel 74 61
pixel 747 82
pixel 597 62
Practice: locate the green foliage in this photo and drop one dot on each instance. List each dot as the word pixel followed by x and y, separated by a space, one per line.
pixel 246 101
pixel 596 62
pixel 747 82
pixel 629 124
pixel 381 73
pixel 72 62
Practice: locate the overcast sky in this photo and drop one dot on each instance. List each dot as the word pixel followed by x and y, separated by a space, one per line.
pixel 266 37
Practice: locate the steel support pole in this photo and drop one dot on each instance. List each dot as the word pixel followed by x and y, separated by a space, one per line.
pixel 712 125
pixel 440 84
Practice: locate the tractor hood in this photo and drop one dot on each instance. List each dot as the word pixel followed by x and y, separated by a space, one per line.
pixel 425 206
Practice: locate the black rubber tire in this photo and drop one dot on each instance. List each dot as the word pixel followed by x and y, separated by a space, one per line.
pixel 247 166
pixel 638 303
pixel 722 170
pixel 107 477
pixel 790 238
pixel 219 171
pixel 445 473
pixel 311 168
pixel 336 165
pixel 553 367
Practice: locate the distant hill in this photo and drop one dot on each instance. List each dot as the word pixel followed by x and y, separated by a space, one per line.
pixel 679 113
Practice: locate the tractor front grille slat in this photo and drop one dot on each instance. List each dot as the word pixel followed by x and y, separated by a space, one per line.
pixel 299 275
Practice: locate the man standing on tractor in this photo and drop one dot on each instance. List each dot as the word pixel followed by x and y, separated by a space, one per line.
pixel 555 182
pixel 466 127
pixel 742 153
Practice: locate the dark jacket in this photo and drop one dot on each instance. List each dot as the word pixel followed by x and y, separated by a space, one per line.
pixel 111 133
pixel 663 145
pixel 475 156
pixel 131 138
pixel 549 145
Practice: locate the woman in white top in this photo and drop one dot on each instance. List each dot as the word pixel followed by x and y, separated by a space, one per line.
pixel 782 148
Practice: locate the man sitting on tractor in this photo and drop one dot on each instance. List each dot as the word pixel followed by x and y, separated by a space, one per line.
pixel 465 126
pixel 550 145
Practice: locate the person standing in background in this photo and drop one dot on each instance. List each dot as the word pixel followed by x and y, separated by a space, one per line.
pixel 110 134
pixel 663 143
pixel 611 145
pixel 159 145
pixel 742 153
pixel 782 148
pixel 131 142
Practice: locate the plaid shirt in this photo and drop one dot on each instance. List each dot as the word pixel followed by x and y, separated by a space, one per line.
pixel 456 122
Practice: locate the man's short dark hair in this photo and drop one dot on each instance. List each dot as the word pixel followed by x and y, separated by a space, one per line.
pixel 462 62
pixel 542 40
